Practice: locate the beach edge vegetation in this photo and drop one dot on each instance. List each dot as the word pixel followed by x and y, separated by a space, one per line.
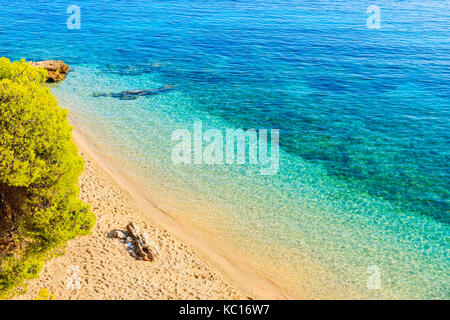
pixel 39 170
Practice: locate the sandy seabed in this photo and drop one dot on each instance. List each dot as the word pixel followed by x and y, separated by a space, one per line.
pixel 99 267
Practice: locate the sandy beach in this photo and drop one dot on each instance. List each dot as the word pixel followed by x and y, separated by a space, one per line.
pixel 105 270
pixel 225 150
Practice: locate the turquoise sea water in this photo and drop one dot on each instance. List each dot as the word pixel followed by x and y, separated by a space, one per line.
pixel 363 116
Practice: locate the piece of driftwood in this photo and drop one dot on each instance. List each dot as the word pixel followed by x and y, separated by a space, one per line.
pixel 118 234
pixel 142 243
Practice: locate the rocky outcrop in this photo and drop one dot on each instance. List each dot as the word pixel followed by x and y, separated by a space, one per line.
pixel 56 70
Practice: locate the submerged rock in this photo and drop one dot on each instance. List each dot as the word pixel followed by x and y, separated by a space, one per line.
pixel 131 95
pixel 56 70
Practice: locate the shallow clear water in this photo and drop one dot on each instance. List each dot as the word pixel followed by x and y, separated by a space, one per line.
pixel 363 116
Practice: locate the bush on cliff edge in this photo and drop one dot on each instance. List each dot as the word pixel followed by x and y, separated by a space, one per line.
pixel 39 170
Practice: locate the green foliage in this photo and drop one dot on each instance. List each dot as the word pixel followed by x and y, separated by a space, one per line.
pixel 14 271
pixel 39 170
pixel 44 294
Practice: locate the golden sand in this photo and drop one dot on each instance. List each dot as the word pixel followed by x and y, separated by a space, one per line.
pixel 189 264
pixel 107 271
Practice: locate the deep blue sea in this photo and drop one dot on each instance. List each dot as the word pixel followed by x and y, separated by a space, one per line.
pixel 362 190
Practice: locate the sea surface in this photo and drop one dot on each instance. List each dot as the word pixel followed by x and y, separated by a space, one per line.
pixel 359 207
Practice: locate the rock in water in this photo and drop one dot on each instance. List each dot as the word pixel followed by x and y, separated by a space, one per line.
pixel 132 95
pixel 142 243
pixel 56 70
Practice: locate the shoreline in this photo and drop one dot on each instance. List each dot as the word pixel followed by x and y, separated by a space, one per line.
pixel 229 278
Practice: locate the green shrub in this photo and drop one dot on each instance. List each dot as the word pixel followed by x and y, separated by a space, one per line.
pixel 39 170
pixel 44 294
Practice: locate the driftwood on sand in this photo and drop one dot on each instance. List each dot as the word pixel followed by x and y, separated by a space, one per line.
pixel 144 247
